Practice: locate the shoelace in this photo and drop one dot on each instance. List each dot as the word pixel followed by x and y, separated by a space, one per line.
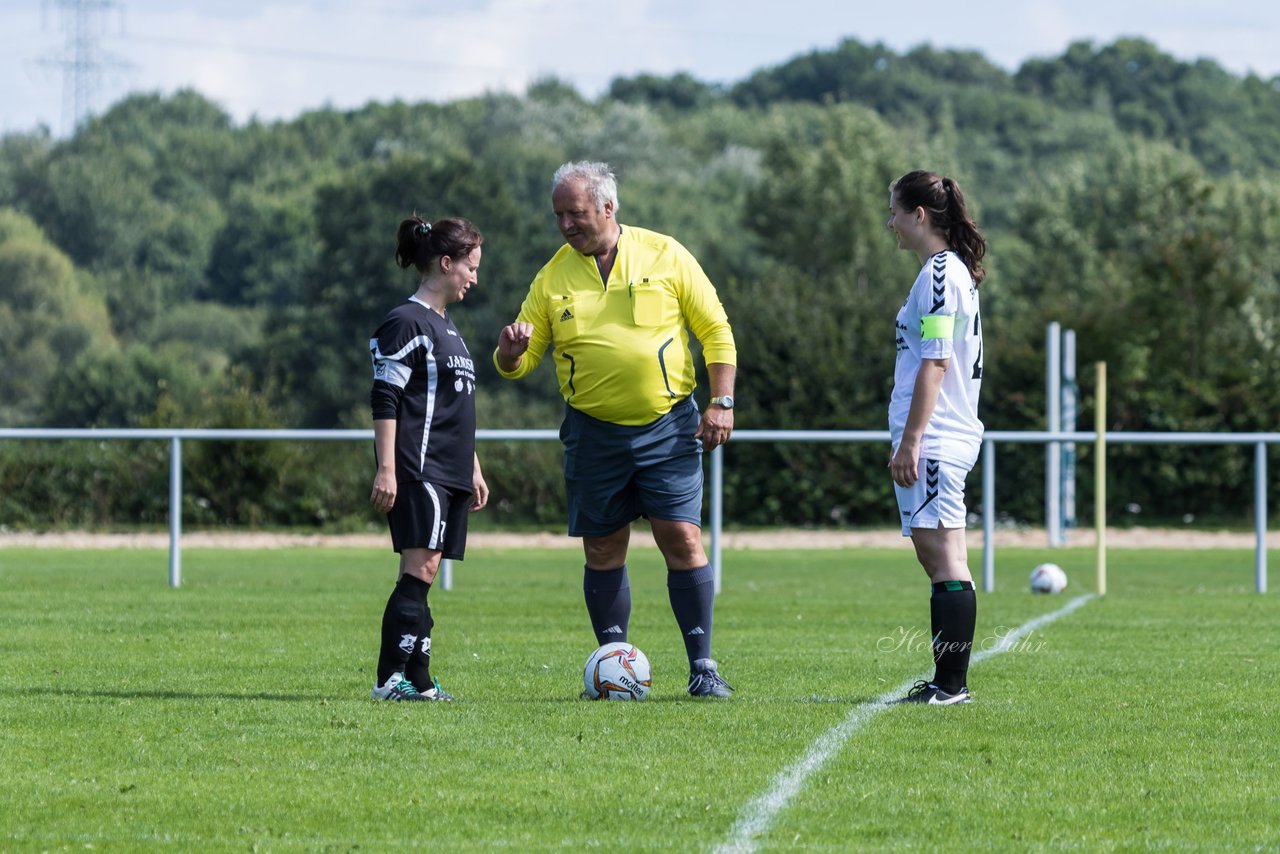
pixel 918 689
pixel 711 676
pixel 404 686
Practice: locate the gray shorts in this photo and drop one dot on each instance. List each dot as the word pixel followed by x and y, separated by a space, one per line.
pixel 614 474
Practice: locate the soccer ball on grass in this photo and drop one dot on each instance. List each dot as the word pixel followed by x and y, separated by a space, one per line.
pixel 617 671
pixel 1048 578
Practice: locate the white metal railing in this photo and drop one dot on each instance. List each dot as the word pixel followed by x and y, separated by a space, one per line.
pixel 175 437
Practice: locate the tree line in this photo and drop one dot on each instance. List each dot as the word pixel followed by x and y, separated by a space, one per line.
pixel 164 266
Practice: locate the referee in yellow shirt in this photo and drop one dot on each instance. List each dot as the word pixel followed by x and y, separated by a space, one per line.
pixel 615 306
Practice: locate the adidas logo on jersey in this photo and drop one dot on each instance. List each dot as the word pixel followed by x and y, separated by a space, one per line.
pixel 568 315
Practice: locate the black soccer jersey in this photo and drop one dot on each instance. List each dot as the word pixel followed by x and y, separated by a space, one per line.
pixel 424 380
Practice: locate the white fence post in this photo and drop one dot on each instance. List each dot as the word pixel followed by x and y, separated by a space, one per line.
pixel 175 511
pixel 717 513
pixel 1260 515
pixel 1053 417
pixel 988 515
pixel 1068 421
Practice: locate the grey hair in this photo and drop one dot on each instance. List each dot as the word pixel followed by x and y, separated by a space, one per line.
pixel 601 183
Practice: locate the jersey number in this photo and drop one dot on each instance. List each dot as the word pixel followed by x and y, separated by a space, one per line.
pixel 977 333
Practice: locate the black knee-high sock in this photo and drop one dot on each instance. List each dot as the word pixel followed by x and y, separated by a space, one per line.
pixel 608 595
pixel 692 593
pixel 953 610
pixel 418 668
pixel 401 625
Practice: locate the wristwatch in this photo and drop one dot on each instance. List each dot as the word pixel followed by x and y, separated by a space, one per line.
pixel 725 400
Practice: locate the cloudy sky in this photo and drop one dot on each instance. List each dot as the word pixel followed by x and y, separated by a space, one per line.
pixel 276 58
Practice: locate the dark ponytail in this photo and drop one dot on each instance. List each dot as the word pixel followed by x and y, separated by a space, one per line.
pixel 418 242
pixel 944 203
pixel 962 232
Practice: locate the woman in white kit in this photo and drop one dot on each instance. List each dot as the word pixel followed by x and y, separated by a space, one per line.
pixel 933 413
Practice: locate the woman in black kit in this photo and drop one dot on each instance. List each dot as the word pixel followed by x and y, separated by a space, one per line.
pixel 424 431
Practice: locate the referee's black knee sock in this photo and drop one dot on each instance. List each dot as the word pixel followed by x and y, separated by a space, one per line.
pixel 953 611
pixel 608 596
pixel 693 595
pixel 402 623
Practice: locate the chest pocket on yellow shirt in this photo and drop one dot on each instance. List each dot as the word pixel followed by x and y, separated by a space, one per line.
pixel 652 305
pixel 565 316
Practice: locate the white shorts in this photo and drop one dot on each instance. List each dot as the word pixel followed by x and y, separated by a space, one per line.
pixel 936 500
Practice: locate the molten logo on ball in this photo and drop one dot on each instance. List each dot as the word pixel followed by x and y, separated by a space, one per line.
pixel 617 671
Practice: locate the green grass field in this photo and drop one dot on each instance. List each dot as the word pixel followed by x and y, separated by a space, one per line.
pixel 234 713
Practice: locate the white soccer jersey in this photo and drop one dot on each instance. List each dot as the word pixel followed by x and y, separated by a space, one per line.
pixel 940 321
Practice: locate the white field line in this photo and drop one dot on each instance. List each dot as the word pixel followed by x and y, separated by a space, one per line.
pixel 758 814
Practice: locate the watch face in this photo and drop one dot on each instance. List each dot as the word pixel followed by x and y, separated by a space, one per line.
pixel 726 401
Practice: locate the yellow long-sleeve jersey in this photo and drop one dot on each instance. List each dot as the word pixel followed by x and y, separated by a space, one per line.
pixel 621 347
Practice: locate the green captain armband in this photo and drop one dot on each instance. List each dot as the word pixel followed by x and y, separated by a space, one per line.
pixel 937 326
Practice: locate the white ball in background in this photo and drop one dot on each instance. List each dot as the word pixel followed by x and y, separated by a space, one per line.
pixel 1048 578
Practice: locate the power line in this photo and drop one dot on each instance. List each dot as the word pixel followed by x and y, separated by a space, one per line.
pixel 81 60
pixel 306 55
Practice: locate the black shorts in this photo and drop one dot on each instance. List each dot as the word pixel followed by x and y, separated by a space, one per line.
pixel 430 516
